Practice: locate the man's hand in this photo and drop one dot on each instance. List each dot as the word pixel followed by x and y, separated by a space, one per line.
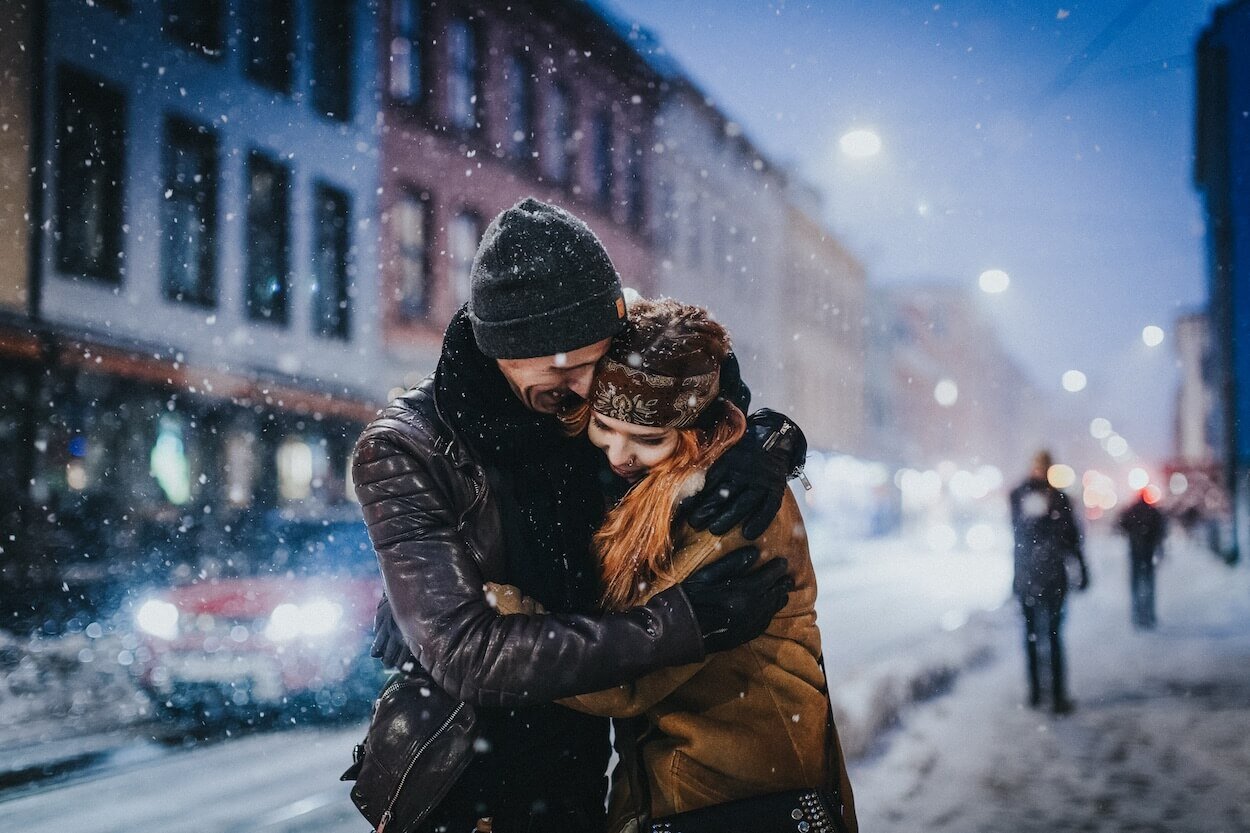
pixel 734 605
pixel 1083 584
pixel 746 485
pixel 388 642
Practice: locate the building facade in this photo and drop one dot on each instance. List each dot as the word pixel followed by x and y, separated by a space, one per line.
pixel 488 102
pixel 825 294
pixel 201 289
pixel 1222 176
pixel 942 388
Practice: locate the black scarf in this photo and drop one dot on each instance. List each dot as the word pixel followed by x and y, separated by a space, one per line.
pixel 548 485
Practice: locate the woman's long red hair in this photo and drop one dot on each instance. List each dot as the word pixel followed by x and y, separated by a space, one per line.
pixel 635 543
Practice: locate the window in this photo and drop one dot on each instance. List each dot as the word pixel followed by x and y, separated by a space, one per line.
pixel 195 23
pixel 462 74
pixel 190 213
pixel 91 119
pixel 463 236
pixel 331 258
pixel 557 130
pixel 268 238
pixel 332 58
pixel 520 107
pixel 601 147
pixel 410 221
pixel 405 66
pixel 635 207
pixel 268 43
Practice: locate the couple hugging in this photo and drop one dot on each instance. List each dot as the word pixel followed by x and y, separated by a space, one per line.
pixel 580 530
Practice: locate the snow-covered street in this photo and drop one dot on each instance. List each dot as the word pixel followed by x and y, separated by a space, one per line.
pixel 1158 741
pixel 929 692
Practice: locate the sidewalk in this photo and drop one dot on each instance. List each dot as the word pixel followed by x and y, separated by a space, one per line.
pixel 1160 740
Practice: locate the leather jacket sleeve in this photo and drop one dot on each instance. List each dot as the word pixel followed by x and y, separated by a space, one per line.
pixel 437 594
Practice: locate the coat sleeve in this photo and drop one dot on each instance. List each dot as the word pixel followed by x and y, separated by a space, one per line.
pixel 438 598
pixel 636 697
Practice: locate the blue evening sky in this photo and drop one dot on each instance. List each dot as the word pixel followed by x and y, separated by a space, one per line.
pixel 1050 140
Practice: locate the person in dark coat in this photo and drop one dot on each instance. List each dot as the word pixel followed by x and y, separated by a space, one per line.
pixel 1046 539
pixel 1145 527
pixel 470 478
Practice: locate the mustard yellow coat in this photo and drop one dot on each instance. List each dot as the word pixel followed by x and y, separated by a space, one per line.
pixel 742 723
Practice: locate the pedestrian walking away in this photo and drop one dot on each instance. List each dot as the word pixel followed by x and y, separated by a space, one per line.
pixel 1145 527
pixel 1047 539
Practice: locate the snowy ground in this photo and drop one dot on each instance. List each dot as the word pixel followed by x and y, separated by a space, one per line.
pixel 926 670
pixel 1160 740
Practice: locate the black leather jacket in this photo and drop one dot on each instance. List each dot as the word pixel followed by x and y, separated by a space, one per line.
pixel 435 525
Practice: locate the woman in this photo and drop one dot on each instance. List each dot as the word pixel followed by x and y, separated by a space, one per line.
pixel 751 723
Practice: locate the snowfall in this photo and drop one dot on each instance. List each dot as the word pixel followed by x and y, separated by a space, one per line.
pixel 925 655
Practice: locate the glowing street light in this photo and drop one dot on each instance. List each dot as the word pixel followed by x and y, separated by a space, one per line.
pixel 1073 381
pixel 860 144
pixel 994 281
pixel 946 392
pixel 1152 335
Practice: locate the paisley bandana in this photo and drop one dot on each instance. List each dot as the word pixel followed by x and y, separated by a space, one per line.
pixel 641 398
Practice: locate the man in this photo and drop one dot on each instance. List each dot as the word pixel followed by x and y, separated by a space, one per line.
pixel 1046 538
pixel 469 478
pixel 1145 527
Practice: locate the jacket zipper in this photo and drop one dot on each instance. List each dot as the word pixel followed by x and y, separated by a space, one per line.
pixel 387 816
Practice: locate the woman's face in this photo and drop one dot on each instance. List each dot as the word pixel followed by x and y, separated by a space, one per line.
pixel 632 450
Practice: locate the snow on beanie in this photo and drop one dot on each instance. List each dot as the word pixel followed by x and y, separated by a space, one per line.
pixel 542 284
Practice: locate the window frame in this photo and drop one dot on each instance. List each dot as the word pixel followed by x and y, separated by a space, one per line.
pixel 206 195
pixel 406 310
pixel 604 159
pixel 253 223
pixel 459 66
pixel 215 26
pixel 410 34
pixel 282 79
pixel 331 48
pixel 459 283
pixel 84 96
pixel 337 323
pixel 521 104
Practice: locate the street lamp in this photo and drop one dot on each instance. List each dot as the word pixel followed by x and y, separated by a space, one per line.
pixel 1073 381
pixel 860 144
pixel 994 281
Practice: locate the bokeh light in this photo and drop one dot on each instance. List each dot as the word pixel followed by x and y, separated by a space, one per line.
pixel 994 281
pixel 1060 475
pixel 946 392
pixel 860 144
pixel 1073 381
pixel 1152 335
pixel 1100 428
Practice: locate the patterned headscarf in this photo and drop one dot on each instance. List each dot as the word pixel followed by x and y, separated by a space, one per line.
pixel 636 396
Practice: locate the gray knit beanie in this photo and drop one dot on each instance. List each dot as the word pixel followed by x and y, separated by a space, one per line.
pixel 542 284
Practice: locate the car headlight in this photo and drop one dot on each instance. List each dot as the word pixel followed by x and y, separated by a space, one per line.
pixel 158 618
pixel 317 617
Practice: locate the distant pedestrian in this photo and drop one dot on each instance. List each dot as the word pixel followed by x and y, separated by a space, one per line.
pixel 1046 539
pixel 1145 527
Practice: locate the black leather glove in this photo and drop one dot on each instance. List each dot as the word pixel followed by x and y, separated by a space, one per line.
pixel 732 604
pixel 388 642
pixel 745 486
pixel 1083 584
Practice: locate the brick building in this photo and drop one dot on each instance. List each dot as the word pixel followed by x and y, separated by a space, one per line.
pixel 487 102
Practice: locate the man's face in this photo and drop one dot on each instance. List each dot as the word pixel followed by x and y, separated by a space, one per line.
pixel 546 383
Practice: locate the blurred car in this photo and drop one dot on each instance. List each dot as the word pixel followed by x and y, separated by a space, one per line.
pixel 290 632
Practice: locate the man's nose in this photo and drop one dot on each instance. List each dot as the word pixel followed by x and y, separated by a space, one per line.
pixel 579 382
